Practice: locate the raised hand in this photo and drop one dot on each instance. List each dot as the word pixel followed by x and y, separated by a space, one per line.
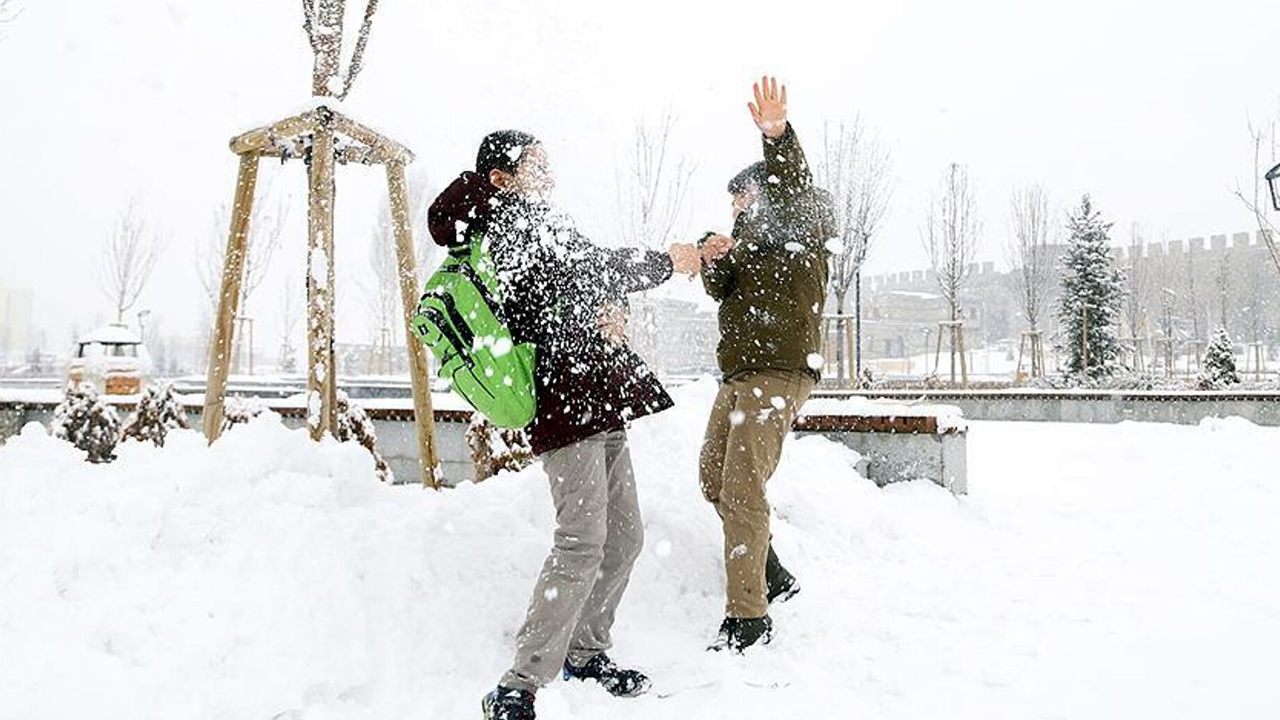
pixel 769 111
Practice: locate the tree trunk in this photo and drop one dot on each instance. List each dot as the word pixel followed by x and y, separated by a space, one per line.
pixel 857 325
pixel 328 50
pixel 840 359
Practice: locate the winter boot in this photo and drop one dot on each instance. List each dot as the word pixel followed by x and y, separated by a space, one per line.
pixel 738 634
pixel 780 585
pixel 618 681
pixel 508 704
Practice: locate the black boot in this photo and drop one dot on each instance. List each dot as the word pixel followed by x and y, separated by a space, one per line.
pixel 780 585
pixel 620 682
pixel 738 634
pixel 508 704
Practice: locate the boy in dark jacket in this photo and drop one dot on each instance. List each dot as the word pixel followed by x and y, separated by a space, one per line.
pixel 770 279
pixel 567 296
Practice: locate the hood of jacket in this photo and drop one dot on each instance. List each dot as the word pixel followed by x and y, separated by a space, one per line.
pixel 465 206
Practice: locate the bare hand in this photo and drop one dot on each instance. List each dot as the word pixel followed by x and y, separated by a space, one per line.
pixel 769 111
pixel 612 323
pixel 684 258
pixel 716 247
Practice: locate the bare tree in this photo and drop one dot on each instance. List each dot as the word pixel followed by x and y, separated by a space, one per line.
pixel 1192 296
pixel 383 295
pixel 652 187
pixel 266 223
pixel 1266 150
pixel 950 236
pixel 288 362
pixel 1222 283
pixel 1139 279
pixel 322 21
pixel 854 168
pixel 652 192
pixel 128 259
pixel 1029 251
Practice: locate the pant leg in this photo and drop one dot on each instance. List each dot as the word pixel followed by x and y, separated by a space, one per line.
pixel 580 490
pixel 714 442
pixel 769 401
pixel 621 548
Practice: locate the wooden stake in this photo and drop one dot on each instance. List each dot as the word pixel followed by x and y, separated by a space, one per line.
pixel 1017 373
pixel 937 353
pixel 322 374
pixel 419 371
pixel 229 301
pixel 855 380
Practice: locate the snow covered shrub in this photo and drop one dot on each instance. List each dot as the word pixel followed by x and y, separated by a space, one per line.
pixel 240 410
pixel 158 412
pixel 83 420
pixel 1219 364
pixel 496 449
pixel 354 424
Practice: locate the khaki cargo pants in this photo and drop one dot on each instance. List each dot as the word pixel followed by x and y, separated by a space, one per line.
pixel 752 415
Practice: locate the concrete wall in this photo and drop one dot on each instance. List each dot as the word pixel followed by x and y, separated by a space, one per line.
pixel 890 457
pixel 1182 409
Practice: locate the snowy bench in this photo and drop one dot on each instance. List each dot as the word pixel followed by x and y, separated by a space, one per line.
pixel 897 441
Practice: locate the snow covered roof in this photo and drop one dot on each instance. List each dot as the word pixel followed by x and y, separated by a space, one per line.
pixel 112 335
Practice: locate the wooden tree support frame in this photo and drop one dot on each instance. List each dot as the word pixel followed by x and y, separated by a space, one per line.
pixel 1254 356
pixel 1166 348
pixel 1031 346
pixel 322 138
pixel 955 328
pixel 1132 347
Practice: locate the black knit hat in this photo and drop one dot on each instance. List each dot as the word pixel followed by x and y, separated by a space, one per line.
pixel 754 174
pixel 502 150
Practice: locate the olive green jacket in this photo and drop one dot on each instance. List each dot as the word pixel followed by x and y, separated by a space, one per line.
pixel 772 286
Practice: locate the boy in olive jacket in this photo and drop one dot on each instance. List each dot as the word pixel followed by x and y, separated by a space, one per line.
pixel 770 279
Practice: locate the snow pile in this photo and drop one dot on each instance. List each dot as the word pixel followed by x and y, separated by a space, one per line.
pixel 1128 572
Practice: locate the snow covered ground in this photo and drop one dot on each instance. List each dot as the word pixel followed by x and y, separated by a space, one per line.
pixel 1094 572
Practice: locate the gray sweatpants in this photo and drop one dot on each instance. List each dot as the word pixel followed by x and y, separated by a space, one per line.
pixel 597 540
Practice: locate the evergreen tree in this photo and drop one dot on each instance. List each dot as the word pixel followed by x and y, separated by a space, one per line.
pixel 1092 296
pixel 1219 364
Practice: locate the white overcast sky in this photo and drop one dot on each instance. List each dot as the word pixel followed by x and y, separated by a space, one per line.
pixel 1142 104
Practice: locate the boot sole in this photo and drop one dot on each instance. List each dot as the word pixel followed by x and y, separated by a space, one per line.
pixel 786 595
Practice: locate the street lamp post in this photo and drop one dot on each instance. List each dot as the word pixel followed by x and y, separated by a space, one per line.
pixel 1273 180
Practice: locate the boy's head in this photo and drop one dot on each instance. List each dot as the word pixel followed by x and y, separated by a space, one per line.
pixel 515 161
pixel 745 187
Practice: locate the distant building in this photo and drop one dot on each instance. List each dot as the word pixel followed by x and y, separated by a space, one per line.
pixel 675 337
pixel 15 324
pixel 1180 288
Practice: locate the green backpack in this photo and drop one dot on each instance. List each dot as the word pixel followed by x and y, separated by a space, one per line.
pixel 458 317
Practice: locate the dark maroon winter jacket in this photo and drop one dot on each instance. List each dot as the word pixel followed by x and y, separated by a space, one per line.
pixel 555 283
